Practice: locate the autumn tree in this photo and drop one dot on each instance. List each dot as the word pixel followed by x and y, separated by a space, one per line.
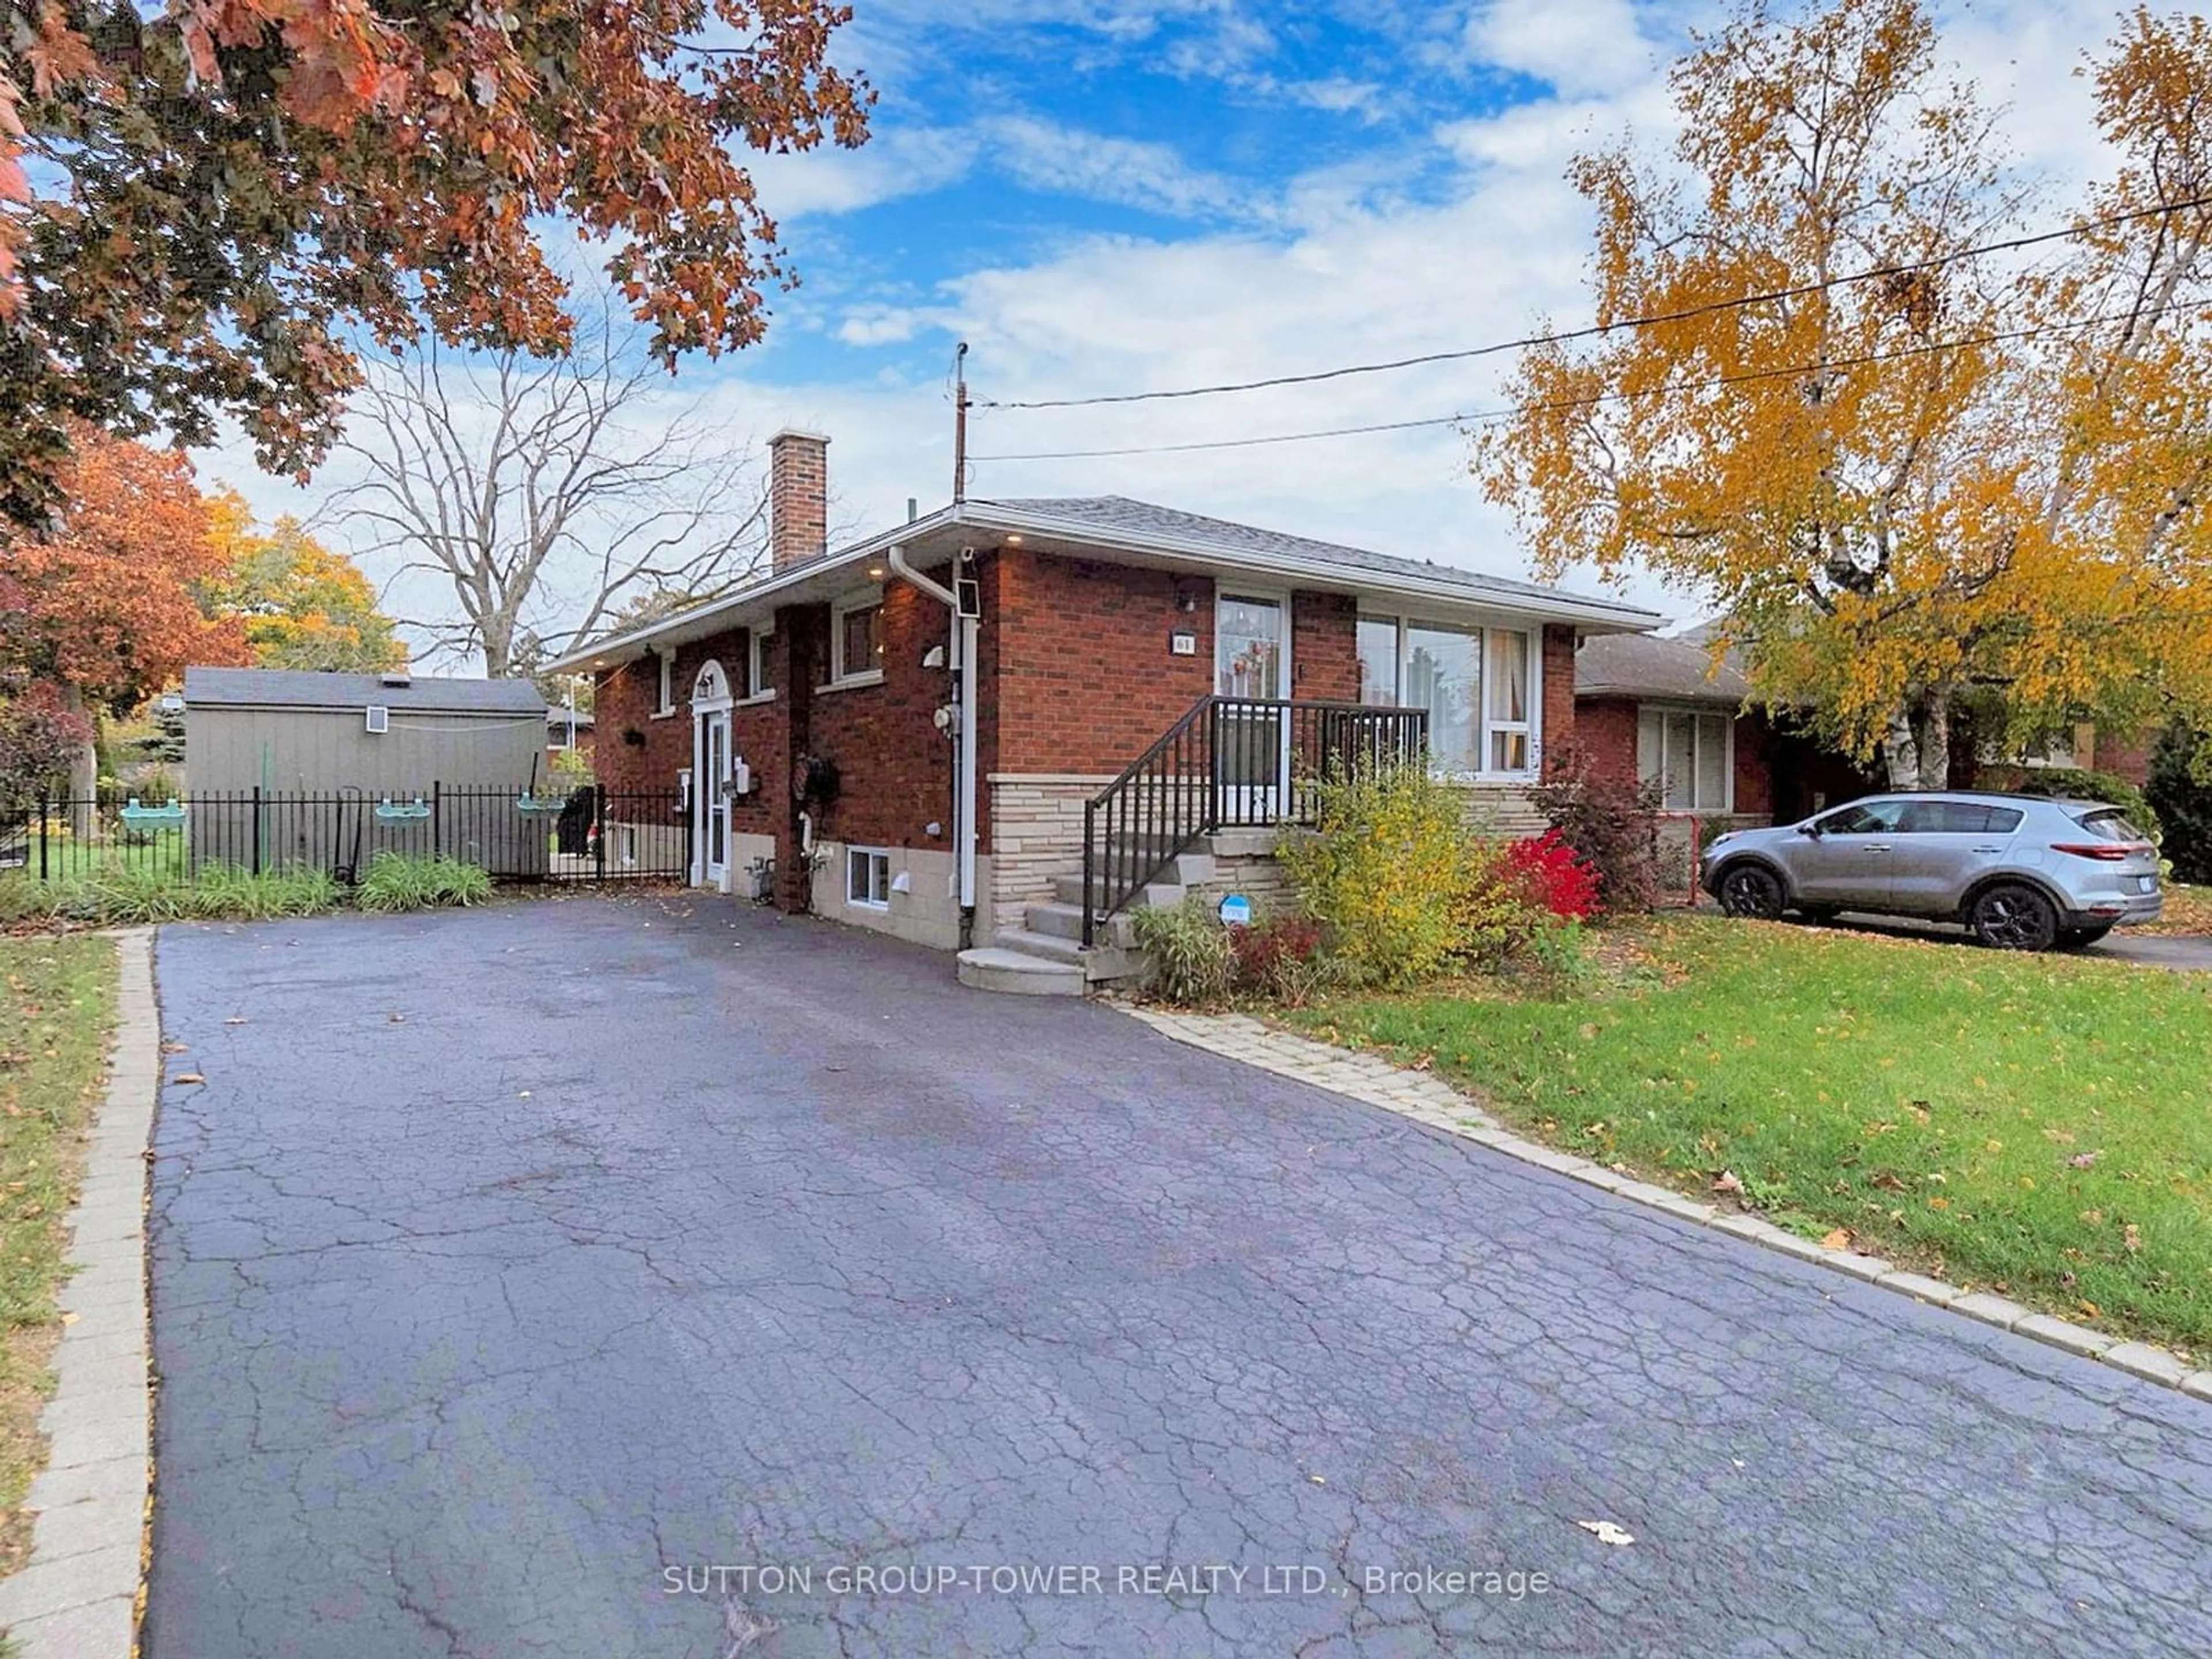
pixel 545 495
pixel 302 604
pixel 1920 467
pixel 202 203
pixel 107 609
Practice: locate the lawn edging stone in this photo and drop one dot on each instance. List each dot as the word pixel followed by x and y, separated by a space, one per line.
pixel 75 1597
pixel 1421 1095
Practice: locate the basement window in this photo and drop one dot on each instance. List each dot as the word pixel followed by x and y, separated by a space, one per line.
pixel 868 878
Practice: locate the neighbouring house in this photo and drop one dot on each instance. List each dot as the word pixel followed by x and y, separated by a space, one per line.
pixel 1663 711
pixel 291 766
pixel 934 730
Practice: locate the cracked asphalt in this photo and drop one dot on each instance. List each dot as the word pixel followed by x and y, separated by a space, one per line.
pixel 513 1269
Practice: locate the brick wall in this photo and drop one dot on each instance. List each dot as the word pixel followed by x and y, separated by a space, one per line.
pixel 1084 678
pixel 1605 731
pixel 894 767
pixel 1325 646
pixel 1558 684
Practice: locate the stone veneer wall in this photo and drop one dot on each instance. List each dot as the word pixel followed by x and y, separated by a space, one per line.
pixel 1036 833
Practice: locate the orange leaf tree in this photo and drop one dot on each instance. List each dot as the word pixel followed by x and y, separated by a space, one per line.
pixel 302 604
pixel 219 193
pixel 107 609
pixel 1979 478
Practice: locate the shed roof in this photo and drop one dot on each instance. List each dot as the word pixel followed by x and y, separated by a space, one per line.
pixel 294 688
pixel 1645 666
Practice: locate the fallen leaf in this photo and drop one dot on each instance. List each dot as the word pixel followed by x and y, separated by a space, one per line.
pixel 70 1318
pixel 1726 1182
pixel 1887 1181
pixel 2090 1308
pixel 235 1019
pixel 1605 1533
pixel 188 1077
pixel 397 1019
pixel 2131 1237
pixel 1840 1239
pixel 2083 1160
pixel 176 1047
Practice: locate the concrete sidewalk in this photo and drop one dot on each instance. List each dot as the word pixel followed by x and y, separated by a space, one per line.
pixel 77 1598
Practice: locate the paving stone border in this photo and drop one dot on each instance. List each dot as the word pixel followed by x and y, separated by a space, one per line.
pixel 78 1598
pixel 1429 1099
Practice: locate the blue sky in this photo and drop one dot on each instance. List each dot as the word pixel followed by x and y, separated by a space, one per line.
pixel 1111 195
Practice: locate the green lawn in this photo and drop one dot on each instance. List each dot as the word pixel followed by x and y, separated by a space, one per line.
pixel 57 1011
pixel 2038 1126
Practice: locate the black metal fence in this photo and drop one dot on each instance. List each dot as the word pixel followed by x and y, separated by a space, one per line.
pixel 587 834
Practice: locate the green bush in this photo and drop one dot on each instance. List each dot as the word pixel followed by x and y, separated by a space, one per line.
pixel 130 895
pixel 405 881
pixel 1611 822
pixel 2184 801
pixel 2080 783
pixel 1382 871
pixel 1190 952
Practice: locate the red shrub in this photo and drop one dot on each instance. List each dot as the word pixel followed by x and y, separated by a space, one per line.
pixel 1551 877
pixel 1278 957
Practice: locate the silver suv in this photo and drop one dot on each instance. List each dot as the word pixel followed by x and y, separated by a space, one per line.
pixel 2023 872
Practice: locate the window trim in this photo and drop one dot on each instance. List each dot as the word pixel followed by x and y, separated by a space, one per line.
pixel 1697 711
pixel 1482 626
pixel 664 694
pixel 758 689
pixel 871 854
pixel 839 674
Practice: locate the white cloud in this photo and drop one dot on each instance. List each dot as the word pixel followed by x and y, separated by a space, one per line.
pixel 1577 45
pixel 1044 155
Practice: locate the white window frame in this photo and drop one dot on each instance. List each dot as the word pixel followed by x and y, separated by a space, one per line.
pixel 1698 716
pixel 839 672
pixel 1534 725
pixel 757 689
pixel 876 856
pixel 664 703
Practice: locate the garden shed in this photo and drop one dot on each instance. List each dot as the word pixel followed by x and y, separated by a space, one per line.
pixel 291 766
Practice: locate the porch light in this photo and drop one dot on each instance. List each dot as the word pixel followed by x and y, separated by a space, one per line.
pixel 875 572
pixel 1013 541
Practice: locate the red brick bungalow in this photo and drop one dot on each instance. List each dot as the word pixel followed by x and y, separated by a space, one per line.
pixel 1179 670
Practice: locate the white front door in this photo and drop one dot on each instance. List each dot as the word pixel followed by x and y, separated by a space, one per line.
pixel 713 798
pixel 1251 660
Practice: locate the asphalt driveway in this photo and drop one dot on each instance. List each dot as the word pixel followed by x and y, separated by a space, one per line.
pixel 582 1278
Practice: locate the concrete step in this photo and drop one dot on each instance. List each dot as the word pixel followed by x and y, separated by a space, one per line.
pixel 1018 973
pixel 1190 869
pixel 1068 890
pixel 1066 921
pixel 1100 962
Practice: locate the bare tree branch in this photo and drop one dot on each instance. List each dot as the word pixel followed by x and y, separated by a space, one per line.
pixel 549 495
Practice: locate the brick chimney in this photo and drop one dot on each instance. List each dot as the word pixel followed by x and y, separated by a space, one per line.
pixel 798 496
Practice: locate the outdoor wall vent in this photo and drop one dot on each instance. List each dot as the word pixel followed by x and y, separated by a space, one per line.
pixel 380 718
pixel 395 679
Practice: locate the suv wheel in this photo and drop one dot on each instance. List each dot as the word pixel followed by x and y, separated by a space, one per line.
pixel 1751 889
pixel 2011 917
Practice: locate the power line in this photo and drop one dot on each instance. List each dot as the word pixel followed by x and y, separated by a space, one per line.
pixel 1594 330
pixel 1491 416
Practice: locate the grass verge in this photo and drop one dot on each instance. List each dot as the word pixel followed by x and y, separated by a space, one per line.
pixel 2031 1125
pixel 56 1013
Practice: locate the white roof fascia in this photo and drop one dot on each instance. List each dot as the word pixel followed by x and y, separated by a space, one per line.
pixel 1559 607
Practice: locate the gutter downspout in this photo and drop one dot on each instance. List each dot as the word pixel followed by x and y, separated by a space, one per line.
pixel 964 647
